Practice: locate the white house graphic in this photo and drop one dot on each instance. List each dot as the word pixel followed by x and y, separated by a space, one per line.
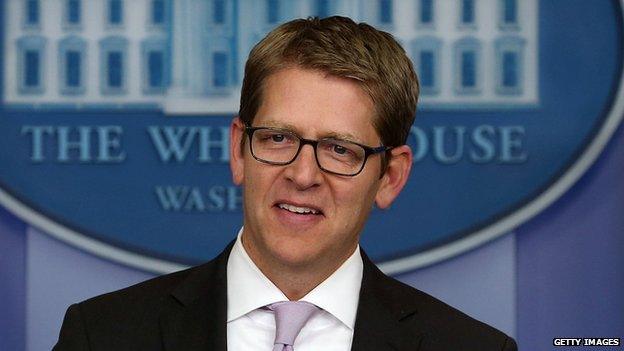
pixel 187 56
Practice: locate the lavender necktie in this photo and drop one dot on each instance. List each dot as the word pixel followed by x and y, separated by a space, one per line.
pixel 290 317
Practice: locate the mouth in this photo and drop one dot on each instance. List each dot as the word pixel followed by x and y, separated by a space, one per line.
pixel 305 210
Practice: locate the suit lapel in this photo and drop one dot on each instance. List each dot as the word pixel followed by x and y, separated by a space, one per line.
pixel 387 317
pixel 195 318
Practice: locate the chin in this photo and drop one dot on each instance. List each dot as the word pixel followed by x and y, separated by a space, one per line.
pixel 295 255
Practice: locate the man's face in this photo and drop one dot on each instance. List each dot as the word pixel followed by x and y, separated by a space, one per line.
pixel 313 105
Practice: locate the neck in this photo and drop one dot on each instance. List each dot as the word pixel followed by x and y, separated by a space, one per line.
pixel 296 280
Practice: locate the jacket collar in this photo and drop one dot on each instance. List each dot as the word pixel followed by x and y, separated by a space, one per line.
pixel 387 317
pixel 196 316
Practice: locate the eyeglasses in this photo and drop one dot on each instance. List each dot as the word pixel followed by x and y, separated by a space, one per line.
pixel 281 147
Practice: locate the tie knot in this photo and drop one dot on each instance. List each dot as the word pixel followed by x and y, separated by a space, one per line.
pixel 290 317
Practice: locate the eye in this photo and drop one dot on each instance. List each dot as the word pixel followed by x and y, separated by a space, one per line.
pixel 278 138
pixel 274 136
pixel 339 149
pixel 342 150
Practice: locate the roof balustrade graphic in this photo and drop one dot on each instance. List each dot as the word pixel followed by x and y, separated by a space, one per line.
pixel 187 56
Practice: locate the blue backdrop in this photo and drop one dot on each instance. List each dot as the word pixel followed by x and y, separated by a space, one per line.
pixel 514 212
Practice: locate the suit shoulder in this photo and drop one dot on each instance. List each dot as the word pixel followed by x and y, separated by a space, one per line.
pixel 131 318
pixel 136 304
pixel 449 327
pixel 150 289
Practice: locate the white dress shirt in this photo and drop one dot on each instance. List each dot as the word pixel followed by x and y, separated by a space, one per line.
pixel 249 327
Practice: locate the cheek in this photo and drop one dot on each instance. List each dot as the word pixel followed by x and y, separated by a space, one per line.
pixel 353 202
pixel 362 199
pixel 252 185
pixel 259 180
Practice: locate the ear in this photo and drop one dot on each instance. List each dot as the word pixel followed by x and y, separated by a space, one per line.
pixel 395 177
pixel 237 162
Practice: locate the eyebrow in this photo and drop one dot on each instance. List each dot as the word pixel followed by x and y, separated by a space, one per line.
pixel 333 135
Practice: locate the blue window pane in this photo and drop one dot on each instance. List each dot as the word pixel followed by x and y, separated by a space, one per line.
pixel 73 11
pixel 468 69
pixel 467 11
pixel 510 69
pixel 31 72
pixel 219 69
pixel 426 11
pixel 158 11
pixel 218 11
pixel 156 65
pixel 510 11
pixel 273 11
pixel 72 68
pixel 321 8
pixel 385 11
pixel 32 11
pixel 115 69
pixel 427 66
pixel 115 12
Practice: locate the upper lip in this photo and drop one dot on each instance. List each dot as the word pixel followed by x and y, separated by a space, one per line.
pixel 299 204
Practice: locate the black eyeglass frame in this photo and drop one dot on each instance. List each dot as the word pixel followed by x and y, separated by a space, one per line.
pixel 368 150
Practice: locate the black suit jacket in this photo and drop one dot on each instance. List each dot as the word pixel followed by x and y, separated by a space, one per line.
pixel 186 311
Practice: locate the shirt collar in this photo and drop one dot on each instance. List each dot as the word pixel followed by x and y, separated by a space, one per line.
pixel 339 294
pixel 249 289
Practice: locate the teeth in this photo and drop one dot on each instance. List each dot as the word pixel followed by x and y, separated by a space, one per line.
pixel 295 209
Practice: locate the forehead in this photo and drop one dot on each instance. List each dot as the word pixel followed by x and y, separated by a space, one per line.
pixel 317 104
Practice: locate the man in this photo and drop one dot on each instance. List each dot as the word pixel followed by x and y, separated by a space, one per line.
pixel 326 107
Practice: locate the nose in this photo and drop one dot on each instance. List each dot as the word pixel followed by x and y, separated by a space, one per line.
pixel 304 171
